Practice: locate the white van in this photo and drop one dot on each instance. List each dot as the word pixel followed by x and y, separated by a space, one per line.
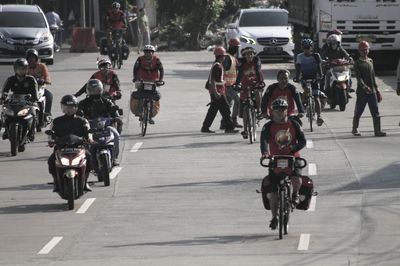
pixel 265 29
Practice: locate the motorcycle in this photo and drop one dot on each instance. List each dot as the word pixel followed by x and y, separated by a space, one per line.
pixel 103 148
pixel 70 154
pixel 56 31
pixel 339 83
pixel 42 119
pixel 17 119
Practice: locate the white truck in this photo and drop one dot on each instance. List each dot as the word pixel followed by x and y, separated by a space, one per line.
pixel 376 21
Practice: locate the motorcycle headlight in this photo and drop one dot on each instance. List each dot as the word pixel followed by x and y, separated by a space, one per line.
pixel 65 161
pixel 77 160
pixel 23 112
pixel 341 77
pixel 247 40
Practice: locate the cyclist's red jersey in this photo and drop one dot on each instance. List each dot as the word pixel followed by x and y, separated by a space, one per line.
pixel 115 20
pixel 148 70
pixel 285 94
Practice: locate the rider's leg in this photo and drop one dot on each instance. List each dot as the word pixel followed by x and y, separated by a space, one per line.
pixel 361 102
pixel 296 184
pixel 223 108
pixel 373 108
pixel 210 116
pixel 49 101
pixel 273 203
pixel 116 144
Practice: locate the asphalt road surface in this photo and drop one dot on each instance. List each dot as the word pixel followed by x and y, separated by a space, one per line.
pixel 181 197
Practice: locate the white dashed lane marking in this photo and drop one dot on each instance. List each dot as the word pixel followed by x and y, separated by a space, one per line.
pixel 85 206
pixel 50 245
pixel 310 144
pixel 313 203
pixel 115 171
pixel 312 169
pixel 136 147
pixel 304 242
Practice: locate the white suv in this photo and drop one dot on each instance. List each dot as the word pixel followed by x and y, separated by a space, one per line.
pixel 265 29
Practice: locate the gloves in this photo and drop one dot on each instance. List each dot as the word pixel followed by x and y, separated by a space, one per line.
pixel 118 95
pixel 159 83
pixel 379 96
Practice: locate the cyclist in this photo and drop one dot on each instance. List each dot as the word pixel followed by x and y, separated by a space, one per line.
pixel 230 75
pixel 148 67
pixel 22 83
pixel 115 19
pixel 308 66
pixel 216 88
pixel 95 106
pixel 281 136
pixel 367 90
pixel 284 90
pixel 249 76
pixel 41 73
pixel 67 124
pixel 334 51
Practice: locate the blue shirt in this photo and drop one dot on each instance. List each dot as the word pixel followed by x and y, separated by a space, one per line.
pixel 308 64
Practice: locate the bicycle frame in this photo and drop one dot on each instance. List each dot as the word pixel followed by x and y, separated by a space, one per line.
pixel 310 107
pixel 249 115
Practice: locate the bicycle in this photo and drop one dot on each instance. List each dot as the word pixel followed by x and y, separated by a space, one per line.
pixel 249 112
pixel 283 166
pixel 116 48
pixel 309 104
pixel 146 103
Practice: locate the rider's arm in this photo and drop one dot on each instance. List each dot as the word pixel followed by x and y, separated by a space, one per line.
pixel 257 65
pixel 240 72
pixel 357 72
pixel 319 68
pixel 81 91
pixel 298 66
pixel 33 88
pixel 265 99
pixel 264 138
pixel 136 67
pixel 301 139
pixel 297 98
pixel 46 75
pixel 116 83
pixel 161 69
pixel 6 88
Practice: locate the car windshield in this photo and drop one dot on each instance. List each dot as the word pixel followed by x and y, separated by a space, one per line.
pixel 262 19
pixel 21 20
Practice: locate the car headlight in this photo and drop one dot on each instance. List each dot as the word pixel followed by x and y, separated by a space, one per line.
pixel 246 39
pixel 23 112
pixel 45 37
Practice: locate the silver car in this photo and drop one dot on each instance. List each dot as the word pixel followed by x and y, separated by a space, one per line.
pixel 23 27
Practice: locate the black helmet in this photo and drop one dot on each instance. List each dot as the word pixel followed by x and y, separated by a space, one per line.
pixel 20 64
pixel 279 103
pixel 94 87
pixel 30 52
pixel 69 100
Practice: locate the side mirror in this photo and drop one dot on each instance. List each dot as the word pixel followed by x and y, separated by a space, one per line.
pixel 232 26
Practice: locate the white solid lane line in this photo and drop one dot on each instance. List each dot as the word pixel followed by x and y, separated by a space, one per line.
pixel 310 144
pixel 312 169
pixel 136 147
pixel 85 206
pixel 304 242
pixel 50 245
pixel 312 204
pixel 115 171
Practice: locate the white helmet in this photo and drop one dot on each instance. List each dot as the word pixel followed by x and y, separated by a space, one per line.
pixel 149 47
pixel 333 39
pixel 103 61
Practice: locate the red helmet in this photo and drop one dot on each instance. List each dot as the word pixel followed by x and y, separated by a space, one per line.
pixel 363 45
pixel 219 51
pixel 234 42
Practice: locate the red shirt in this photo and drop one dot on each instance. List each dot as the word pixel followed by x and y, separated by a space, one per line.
pixel 284 94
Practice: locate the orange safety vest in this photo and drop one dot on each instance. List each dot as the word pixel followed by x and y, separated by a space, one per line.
pixel 220 84
pixel 230 75
pixel 148 70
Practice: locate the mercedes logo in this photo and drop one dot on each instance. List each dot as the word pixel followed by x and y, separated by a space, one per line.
pixel 274 41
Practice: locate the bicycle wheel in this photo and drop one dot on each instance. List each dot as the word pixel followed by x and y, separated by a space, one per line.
pixel 119 57
pixel 281 210
pixel 286 215
pixel 145 115
pixel 249 124
pixel 254 123
pixel 310 112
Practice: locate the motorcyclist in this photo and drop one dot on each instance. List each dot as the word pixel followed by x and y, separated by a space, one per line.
pixel 249 76
pixel 282 90
pixel 68 124
pixel 54 21
pixel 308 66
pixel 334 51
pixel 281 136
pixel 108 78
pixel 95 106
pixel 22 83
pixel 230 75
pixel 148 67
pixel 41 73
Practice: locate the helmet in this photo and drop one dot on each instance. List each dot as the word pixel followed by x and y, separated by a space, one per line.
pixel 103 61
pixel 306 43
pixel 30 52
pixel 94 87
pixel 363 45
pixel 335 31
pixel 219 51
pixel 149 47
pixel 115 5
pixel 69 100
pixel 279 103
pixel 247 50
pixel 234 42
pixel 69 104
pixel 21 66
pixel 333 39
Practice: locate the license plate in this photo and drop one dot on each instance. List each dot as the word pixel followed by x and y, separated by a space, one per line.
pixel 21 49
pixel 274 49
pixel 282 163
pixel 103 134
pixel 148 87
pixel 368 38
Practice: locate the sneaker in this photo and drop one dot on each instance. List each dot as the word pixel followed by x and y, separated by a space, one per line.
pixel 151 121
pixel 320 121
pixel 274 223
pixel 356 133
pixel 231 131
pixel 206 130
pixel 237 125
pixel 222 126
pixel 115 162
pixel 21 148
pixel 244 134
pixel 87 188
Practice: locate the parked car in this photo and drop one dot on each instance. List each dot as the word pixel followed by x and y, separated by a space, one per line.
pixel 265 29
pixel 23 27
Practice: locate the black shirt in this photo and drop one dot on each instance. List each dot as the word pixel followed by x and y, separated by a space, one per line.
pixel 75 125
pixel 27 85
pixel 92 108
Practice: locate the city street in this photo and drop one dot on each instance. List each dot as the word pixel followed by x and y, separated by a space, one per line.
pixel 182 197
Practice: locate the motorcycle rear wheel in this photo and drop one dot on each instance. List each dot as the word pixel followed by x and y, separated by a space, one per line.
pixel 342 99
pixel 105 169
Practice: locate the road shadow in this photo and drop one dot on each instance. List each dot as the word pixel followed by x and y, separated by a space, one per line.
pixel 166 135
pixel 196 145
pixel 200 241
pixel 228 182
pixel 33 208
pixel 19 159
pixel 27 187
